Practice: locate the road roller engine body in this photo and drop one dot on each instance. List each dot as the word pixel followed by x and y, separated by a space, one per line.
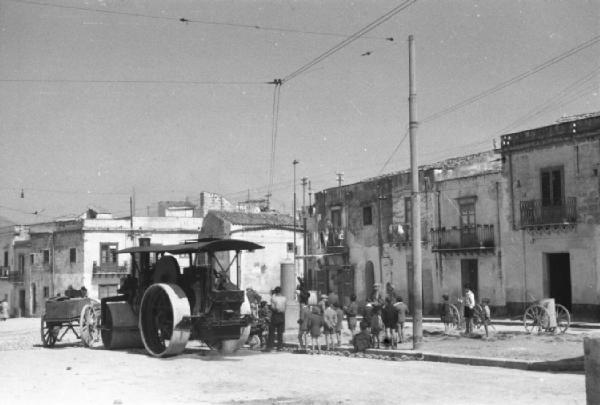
pixel 161 306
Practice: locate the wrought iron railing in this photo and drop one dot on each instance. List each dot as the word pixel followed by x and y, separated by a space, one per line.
pixel 15 276
pixel 400 233
pixel 533 212
pixel 4 270
pixel 105 268
pixel 470 237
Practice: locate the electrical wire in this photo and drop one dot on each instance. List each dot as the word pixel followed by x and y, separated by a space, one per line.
pixel 512 80
pixel 192 20
pixel 99 81
pixel 369 27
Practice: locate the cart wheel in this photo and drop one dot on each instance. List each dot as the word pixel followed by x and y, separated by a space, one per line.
pixel 88 321
pixel 163 308
pixel 535 319
pixel 563 318
pixel 49 333
pixel 478 316
pixel 455 317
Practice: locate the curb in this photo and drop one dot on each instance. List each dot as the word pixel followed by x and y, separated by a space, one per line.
pixel 562 365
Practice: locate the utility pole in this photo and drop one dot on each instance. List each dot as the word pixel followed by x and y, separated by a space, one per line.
pixel 417 282
pixel 380 198
pixel 295 162
pixel 340 178
pixel 304 183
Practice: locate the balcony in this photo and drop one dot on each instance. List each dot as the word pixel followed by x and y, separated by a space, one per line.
pixel 473 239
pixel 109 270
pixel 15 276
pixel 333 240
pixel 535 214
pixel 4 270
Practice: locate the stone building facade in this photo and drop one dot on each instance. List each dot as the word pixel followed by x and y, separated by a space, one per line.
pixel 552 244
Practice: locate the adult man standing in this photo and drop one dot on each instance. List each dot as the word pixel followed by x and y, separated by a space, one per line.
pixel 278 305
pixel 469 305
pixel 4 310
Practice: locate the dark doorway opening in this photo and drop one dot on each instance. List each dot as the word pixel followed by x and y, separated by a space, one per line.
pixel 559 278
pixel 22 303
pixel 469 275
pixel 33 299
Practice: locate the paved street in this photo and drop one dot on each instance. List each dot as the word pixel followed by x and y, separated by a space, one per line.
pixel 70 373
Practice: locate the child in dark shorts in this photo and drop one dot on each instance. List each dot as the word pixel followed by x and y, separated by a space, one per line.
pixel 376 325
pixel 315 323
pixel 351 313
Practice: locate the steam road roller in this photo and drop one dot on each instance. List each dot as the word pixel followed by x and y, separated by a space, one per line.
pixel 161 306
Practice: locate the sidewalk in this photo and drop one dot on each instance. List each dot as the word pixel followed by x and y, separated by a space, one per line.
pixel 569 364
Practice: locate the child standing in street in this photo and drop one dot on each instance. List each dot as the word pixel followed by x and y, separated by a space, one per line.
pixel 487 319
pixel 315 323
pixel 376 325
pixel 338 326
pixel 303 326
pixel 330 319
pixel 351 313
pixel 390 322
pixel 402 310
pixel 446 313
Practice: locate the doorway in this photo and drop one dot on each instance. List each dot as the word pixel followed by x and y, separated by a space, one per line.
pixel 22 303
pixel 469 275
pixel 558 270
pixel 33 299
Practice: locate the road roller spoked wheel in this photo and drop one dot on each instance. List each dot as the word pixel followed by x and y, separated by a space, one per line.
pixel 163 308
pixel 88 322
pixel 563 318
pixel 49 333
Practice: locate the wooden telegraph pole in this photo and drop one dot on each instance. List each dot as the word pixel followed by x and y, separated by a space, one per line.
pixel 417 286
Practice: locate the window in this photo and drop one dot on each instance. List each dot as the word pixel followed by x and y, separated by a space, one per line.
pixel 467 212
pixel 107 290
pixel 31 258
pixel 336 218
pixel 5 259
pixel 73 255
pixel 552 186
pixel 367 216
pixel 108 253
pixel 46 292
pixel 46 256
pixel 290 247
pixel 144 241
pixel 21 263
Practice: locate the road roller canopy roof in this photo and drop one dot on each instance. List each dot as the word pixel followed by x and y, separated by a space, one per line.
pixel 202 245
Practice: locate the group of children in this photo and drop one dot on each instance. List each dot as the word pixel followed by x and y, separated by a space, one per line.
pixel 327 317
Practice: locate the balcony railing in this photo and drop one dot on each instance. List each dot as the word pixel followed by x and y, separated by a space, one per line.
pixel 108 269
pixel 15 276
pixel 400 234
pixel 332 239
pixel 534 213
pixel 472 238
pixel 4 270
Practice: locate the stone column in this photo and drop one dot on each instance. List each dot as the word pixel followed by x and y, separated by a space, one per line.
pixel 288 289
pixel 591 349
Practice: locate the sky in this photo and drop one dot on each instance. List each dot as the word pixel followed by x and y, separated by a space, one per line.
pixel 103 99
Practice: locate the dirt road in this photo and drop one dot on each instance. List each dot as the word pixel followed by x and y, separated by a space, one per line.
pixel 70 373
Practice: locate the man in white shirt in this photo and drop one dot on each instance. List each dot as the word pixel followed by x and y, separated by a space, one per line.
pixel 278 305
pixel 469 305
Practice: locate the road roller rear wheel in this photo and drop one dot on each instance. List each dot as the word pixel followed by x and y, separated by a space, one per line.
pixel 163 308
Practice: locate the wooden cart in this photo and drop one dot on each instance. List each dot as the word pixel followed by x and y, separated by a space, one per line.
pixel 61 315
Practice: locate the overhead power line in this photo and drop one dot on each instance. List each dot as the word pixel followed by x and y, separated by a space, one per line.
pixel 503 85
pixel 513 80
pixel 99 81
pixel 194 20
pixel 369 27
